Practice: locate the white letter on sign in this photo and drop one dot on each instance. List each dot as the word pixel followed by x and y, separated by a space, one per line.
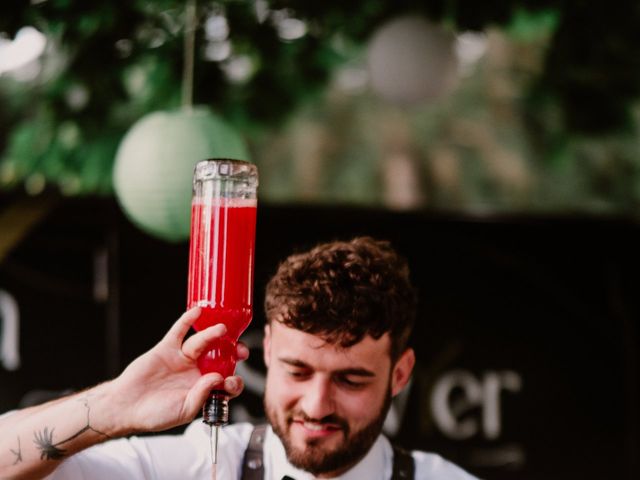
pixel 452 415
pixel 10 332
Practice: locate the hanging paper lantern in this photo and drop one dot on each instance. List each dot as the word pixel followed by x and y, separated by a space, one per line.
pixel 154 165
pixel 411 59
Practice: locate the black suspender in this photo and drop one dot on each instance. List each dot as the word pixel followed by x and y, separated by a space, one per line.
pixel 253 464
pixel 403 465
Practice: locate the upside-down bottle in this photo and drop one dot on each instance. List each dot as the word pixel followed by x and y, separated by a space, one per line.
pixel 221 262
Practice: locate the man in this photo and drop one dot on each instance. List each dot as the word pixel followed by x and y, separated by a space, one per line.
pixel 339 319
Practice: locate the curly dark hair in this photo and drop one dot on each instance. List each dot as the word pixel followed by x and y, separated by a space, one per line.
pixel 343 291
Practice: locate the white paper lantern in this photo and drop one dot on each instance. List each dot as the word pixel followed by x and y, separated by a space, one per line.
pixel 154 165
pixel 411 60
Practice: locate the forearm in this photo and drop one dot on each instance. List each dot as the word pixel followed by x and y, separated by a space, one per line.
pixel 34 441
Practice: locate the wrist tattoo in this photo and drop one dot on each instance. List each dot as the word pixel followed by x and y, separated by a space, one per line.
pixel 53 451
pixel 17 453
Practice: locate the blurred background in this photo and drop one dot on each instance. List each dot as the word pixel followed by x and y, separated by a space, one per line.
pixel 494 143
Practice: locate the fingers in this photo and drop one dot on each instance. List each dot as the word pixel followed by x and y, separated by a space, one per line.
pixel 196 344
pixel 199 343
pixel 200 391
pixel 242 351
pixel 233 385
pixel 180 328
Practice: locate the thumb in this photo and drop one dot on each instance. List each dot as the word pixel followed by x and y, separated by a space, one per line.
pixel 200 391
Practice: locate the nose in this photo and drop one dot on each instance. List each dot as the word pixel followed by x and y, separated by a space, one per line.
pixel 318 399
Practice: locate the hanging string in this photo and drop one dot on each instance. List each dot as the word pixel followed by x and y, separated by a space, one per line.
pixel 189 54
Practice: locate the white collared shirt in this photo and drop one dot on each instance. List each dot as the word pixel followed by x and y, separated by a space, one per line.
pixel 188 456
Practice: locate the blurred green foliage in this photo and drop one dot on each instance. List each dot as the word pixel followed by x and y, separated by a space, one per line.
pixel 109 62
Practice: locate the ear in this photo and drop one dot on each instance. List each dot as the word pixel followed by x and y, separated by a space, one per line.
pixel 402 371
pixel 266 345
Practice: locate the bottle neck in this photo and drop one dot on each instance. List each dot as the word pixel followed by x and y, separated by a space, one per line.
pixel 215 411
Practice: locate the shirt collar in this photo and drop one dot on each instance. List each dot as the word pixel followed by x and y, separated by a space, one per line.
pixel 375 465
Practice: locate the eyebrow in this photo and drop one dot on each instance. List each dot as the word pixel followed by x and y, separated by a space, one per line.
pixel 361 372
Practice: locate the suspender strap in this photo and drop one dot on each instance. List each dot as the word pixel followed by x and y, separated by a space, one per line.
pixel 253 464
pixel 403 465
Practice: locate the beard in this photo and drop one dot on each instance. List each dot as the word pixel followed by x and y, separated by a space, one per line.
pixel 318 459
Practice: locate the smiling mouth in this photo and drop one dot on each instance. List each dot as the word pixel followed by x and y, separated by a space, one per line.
pixel 317 429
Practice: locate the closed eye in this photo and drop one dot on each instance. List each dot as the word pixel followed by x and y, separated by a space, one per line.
pixel 349 383
pixel 295 368
pixel 297 373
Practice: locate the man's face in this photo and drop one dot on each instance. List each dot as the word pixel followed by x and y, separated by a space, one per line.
pixel 326 403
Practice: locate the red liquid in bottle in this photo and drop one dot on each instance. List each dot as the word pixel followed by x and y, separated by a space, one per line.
pixel 221 274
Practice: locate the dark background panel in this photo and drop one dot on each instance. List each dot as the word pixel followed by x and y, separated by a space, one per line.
pixel 51 276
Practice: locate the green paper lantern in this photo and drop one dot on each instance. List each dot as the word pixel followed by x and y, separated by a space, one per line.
pixel 154 165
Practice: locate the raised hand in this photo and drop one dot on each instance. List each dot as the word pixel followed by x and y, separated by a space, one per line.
pixel 163 388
